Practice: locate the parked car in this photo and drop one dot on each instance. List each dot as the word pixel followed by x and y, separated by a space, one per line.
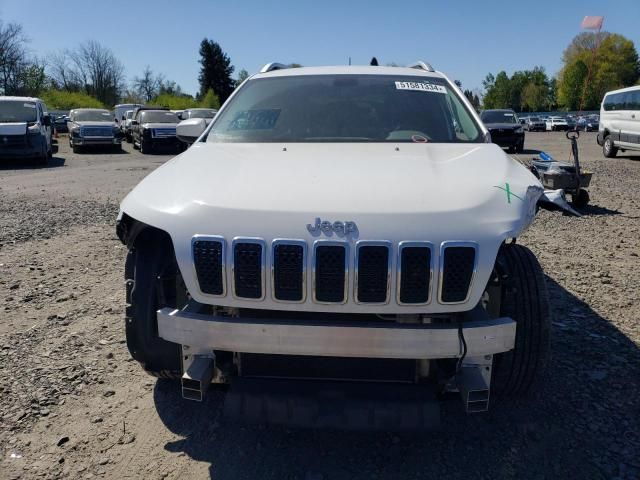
pixel 153 128
pixel 206 113
pixel 338 223
pixel 619 127
pixel 25 129
pixel 119 112
pixel 587 124
pixel 93 127
pixel 60 122
pixel 555 123
pixel 535 124
pixel 505 129
pixel 128 116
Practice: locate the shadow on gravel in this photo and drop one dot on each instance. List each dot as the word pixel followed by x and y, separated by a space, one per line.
pixel 595 210
pixel 584 423
pixel 22 164
pixel 102 150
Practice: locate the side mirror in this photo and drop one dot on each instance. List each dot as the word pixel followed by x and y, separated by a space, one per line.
pixel 189 130
pixel 46 120
pixel 134 122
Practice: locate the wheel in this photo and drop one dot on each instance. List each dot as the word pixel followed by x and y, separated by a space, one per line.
pixel 608 149
pixel 153 281
pixel 511 149
pixel 520 147
pixel 581 199
pixel 524 298
pixel 76 149
pixel 144 147
pixel 128 138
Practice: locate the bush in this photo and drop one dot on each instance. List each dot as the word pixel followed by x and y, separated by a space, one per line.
pixel 63 100
pixel 175 102
pixel 210 100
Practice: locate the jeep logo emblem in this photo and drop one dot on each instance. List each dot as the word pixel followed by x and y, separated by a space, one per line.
pixel 342 229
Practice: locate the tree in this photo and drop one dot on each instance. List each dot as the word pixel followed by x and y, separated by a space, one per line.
pixel 374 62
pixel 18 74
pixel 242 76
pixel 614 64
pixel 525 90
pixel 64 100
pixel 148 85
pixel 210 100
pixel 175 102
pixel 473 99
pixel 94 69
pixel 215 70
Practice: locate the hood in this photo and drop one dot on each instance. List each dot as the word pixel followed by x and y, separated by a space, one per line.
pixel 14 128
pixel 504 126
pixel 94 124
pixel 159 125
pixel 394 192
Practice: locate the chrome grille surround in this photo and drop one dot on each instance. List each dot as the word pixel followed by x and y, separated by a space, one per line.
pixel 418 244
pixel 253 240
pixel 286 241
pixel 330 243
pixel 223 258
pixel 372 243
pixel 443 247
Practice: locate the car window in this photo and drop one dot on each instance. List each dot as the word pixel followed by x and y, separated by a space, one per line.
pixel 92 116
pixel 345 108
pixel 158 117
pixel 17 111
pixel 632 101
pixel 498 116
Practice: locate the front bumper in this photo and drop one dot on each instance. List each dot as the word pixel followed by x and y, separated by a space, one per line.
pixel 508 140
pixel 89 141
pixel 483 336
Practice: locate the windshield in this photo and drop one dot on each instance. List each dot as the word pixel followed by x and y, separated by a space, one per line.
pixel 158 117
pixel 534 119
pixel 17 111
pixel 129 114
pixel 92 116
pixel 345 108
pixel 498 117
pixel 202 113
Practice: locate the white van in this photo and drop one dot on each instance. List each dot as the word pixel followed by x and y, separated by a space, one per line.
pixel 25 129
pixel 620 121
pixel 119 113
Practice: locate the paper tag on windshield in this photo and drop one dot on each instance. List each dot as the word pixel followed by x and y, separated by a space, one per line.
pixel 29 105
pixel 420 87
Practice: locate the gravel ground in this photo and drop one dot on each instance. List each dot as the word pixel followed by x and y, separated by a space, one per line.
pixel 73 405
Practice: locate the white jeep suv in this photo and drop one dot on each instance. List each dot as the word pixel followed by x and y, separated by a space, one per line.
pixel 332 225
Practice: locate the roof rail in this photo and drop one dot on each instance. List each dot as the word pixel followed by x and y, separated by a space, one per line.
pixel 269 67
pixel 422 66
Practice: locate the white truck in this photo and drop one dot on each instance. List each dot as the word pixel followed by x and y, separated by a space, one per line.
pixel 25 129
pixel 335 228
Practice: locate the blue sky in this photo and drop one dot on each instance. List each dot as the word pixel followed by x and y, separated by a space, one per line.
pixel 464 39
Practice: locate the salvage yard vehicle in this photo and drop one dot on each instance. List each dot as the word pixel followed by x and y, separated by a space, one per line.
pixel 206 113
pixel 153 128
pixel 338 233
pixel 25 129
pixel 92 127
pixel 556 124
pixel 119 112
pixel 535 124
pixel 619 127
pixel 126 125
pixel 505 129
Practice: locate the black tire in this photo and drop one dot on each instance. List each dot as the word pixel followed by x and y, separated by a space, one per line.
pixel 524 299
pixel 511 149
pixel 581 199
pixel 608 149
pixel 76 149
pixel 144 147
pixel 520 147
pixel 153 280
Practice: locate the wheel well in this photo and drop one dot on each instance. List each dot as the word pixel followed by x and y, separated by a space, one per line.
pixel 134 233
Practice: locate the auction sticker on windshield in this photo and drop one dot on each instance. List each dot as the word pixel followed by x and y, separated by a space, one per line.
pixel 421 87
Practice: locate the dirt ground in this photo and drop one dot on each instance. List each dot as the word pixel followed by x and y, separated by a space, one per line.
pixel 73 404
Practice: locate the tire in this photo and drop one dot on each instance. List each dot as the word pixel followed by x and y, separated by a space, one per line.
pixel 76 149
pixel 524 299
pixel 144 147
pixel 153 281
pixel 581 199
pixel 608 149
pixel 511 149
pixel 520 147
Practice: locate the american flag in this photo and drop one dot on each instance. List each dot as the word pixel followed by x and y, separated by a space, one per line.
pixel 592 23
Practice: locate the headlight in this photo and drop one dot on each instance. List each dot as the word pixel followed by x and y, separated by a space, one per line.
pixel 519 130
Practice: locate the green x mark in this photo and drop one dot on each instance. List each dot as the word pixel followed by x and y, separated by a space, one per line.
pixel 510 194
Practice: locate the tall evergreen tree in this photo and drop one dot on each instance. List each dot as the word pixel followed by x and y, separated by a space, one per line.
pixel 215 70
pixel 374 62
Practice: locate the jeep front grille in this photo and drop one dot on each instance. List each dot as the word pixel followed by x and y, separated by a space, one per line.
pixel 208 258
pixel 415 272
pixel 372 272
pixel 330 272
pixel 248 268
pixel 288 271
pixel 373 264
pixel 456 270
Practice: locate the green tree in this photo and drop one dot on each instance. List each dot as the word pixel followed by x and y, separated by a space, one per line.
pixel 64 100
pixel 215 70
pixel 210 100
pixel 175 102
pixel 614 64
